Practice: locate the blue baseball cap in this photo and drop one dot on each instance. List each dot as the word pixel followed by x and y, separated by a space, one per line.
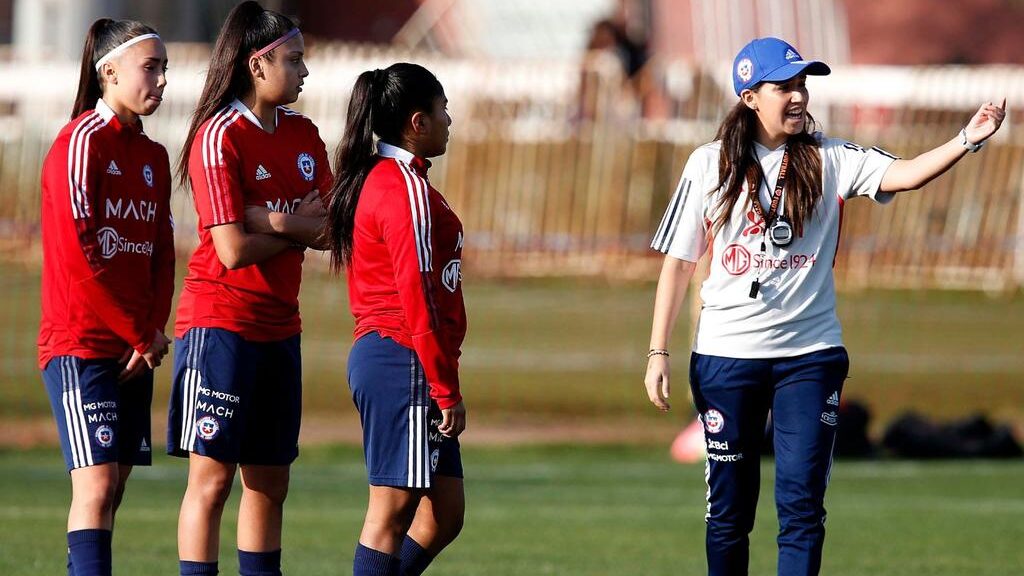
pixel 771 60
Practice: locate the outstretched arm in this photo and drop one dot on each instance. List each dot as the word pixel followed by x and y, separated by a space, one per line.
pixel 912 174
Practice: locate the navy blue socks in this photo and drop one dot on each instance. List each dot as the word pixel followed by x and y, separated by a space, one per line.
pixel 414 558
pixel 90 552
pixel 369 562
pixel 259 563
pixel 189 568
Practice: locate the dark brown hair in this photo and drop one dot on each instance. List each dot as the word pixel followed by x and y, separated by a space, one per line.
pixel 103 36
pixel 736 166
pixel 248 27
pixel 382 101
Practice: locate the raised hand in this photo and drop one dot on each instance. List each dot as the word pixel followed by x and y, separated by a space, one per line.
pixel 985 122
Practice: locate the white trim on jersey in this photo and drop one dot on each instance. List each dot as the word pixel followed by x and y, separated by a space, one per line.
pixel 74 413
pixel 242 109
pixel 419 207
pixel 213 155
pixel 386 150
pixel 78 163
pixel 105 110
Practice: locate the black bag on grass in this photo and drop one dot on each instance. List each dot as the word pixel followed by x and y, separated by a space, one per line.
pixel 914 436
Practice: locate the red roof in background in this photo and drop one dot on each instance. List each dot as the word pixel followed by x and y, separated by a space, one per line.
pixel 936 32
pixel 354 20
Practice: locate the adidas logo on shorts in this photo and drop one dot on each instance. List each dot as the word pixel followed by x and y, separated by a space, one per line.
pixel 833 399
pixel 113 169
pixel 261 173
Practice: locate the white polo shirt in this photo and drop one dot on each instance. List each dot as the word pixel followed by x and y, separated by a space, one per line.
pixel 794 311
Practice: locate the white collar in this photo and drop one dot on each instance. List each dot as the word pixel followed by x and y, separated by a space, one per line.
pixel 763 150
pixel 104 110
pixel 386 150
pixel 242 109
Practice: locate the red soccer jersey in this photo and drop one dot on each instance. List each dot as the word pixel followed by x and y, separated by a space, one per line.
pixel 234 163
pixel 405 280
pixel 108 243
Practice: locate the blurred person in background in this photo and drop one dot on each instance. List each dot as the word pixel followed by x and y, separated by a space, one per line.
pixel 766 198
pixel 401 244
pixel 255 168
pixel 108 278
pixel 615 77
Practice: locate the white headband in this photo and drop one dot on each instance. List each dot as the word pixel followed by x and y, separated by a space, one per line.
pixel 123 47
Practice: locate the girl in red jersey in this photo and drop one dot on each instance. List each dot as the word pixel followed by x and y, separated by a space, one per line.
pixel 402 246
pixel 255 168
pixel 108 278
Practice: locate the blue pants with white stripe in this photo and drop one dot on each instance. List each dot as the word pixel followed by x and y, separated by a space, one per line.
pixel 401 443
pixel 734 397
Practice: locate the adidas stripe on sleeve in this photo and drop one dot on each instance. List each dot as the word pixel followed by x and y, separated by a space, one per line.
pixel 682 232
pixel 214 174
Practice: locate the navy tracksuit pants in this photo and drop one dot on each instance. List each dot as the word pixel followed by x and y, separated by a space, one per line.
pixel 734 397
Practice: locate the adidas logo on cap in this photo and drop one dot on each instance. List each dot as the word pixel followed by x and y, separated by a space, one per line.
pixel 113 169
pixel 791 55
pixel 261 173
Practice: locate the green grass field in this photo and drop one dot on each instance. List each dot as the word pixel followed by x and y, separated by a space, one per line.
pixel 567 463
pixel 543 356
pixel 562 510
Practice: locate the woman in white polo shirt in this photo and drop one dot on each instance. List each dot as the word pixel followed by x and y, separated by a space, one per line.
pixel 768 336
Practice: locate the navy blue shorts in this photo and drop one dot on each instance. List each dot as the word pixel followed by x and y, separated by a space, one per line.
pixel 98 419
pixel 400 439
pixel 235 400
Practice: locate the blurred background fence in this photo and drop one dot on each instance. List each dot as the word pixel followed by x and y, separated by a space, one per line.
pixel 555 170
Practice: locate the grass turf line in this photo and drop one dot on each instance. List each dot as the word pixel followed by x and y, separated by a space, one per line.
pixel 560 510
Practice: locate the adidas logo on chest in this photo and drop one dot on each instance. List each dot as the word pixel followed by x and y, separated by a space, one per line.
pixel 113 169
pixel 261 173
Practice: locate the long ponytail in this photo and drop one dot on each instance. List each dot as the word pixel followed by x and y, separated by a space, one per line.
pixel 381 103
pixel 247 28
pixel 103 36
pixel 736 167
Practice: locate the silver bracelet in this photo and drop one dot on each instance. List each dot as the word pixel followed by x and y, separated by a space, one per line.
pixel 657 352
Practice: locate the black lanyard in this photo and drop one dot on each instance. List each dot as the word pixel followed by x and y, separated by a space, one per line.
pixel 773 208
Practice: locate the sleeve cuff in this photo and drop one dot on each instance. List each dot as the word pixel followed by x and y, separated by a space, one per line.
pixel 448 401
pixel 145 344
